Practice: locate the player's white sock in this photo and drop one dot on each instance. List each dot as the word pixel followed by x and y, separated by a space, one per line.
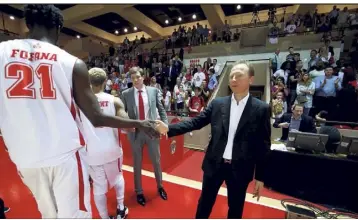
pixel 101 204
pixel 119 187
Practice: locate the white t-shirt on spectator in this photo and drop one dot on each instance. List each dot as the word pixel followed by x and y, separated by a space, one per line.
pixel 109 85
pixel 216 69
pixel 281 73
pixel 167 98
pixel 343 17
pixel 291 28
pixel 198 79
pixel 315 73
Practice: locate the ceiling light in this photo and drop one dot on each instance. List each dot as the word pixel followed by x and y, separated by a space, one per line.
pixel 12 17
pixel 116 32
pixel 135 28
pixel 78 36
pixel 194 16
pixel 125 30
pixel 166 21
pixel 179 19
pixel 238 7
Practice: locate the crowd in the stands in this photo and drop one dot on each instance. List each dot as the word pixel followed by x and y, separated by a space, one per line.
pixel 185 90
pixel 327 85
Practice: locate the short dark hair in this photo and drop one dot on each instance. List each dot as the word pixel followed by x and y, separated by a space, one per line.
pixel 297 105
pixel 197 89
pixel 328 66
pixel 290 48
pixel 248 64
pixel 135 70
pixel 48 16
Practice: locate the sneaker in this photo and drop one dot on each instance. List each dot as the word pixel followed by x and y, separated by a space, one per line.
pixel 6 209
pixel 122 214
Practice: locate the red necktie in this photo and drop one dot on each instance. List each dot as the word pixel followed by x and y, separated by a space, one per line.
pixel 141 105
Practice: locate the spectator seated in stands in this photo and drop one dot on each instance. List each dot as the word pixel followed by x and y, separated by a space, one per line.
pixel 295 121
pixel 334 137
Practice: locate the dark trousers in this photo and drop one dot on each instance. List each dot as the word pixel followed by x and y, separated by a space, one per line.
pixel 2 209
pixel 236 192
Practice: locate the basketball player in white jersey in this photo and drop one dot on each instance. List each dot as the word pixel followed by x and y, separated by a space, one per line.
pixel 105 158
pixel 40 86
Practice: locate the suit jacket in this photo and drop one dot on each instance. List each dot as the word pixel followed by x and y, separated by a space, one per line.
pixel 306 125
pixel 154 102
pixel 252 140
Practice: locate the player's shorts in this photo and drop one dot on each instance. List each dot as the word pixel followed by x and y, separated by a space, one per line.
pixel 60 191
pixel 102 175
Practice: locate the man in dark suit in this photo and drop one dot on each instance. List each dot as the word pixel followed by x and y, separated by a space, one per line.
pixel 295 121
pixel 240 140
pixel 173 73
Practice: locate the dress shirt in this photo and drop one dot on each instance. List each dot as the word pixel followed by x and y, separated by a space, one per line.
pixel 145 100
pixel 236 110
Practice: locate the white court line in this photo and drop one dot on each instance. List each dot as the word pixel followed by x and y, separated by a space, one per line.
pixel 264 201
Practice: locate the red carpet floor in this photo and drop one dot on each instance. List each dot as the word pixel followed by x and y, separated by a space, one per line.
pixel 193 163
pixel 181 204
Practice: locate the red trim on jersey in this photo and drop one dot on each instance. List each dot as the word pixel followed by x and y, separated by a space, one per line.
pixel 119 165
pixel 73 112
pixel 81 187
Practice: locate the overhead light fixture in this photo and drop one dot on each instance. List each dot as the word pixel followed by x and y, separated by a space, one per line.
pixel 125 30
pixel 116 32
pixel 135 28
pixel 238 7
pixel 179 19
pixel 166 21
pixel 194 16
pixel 12 17
pixel 78 36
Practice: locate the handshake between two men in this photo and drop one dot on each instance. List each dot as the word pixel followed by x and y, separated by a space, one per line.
pixel 153 129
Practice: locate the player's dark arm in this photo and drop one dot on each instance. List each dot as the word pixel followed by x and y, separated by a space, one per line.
pixel 120 109
pixel 195 123
pixel 160 107
pixel 88 103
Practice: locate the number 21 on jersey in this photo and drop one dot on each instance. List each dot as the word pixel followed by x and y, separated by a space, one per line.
pixel 25 80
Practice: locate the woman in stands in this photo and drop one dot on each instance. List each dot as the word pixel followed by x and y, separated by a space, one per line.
pixel 305 91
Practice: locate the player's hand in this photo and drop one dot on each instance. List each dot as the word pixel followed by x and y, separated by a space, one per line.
pixel 258 189
pixel 162 128
pixel 149 127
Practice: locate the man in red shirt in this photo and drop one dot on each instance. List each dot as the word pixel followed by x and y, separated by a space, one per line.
pixel 196 103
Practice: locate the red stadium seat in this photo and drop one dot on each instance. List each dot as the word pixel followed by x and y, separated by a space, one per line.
pixel 356 128
pixel 343 127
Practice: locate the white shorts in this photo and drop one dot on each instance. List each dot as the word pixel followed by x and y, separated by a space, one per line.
pixel 60 191
pixel 102 175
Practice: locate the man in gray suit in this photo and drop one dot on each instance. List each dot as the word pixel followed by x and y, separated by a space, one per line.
pixel 141 103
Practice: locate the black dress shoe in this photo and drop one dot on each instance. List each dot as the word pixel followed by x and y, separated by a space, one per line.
pixel 141 199
pixel 163 194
